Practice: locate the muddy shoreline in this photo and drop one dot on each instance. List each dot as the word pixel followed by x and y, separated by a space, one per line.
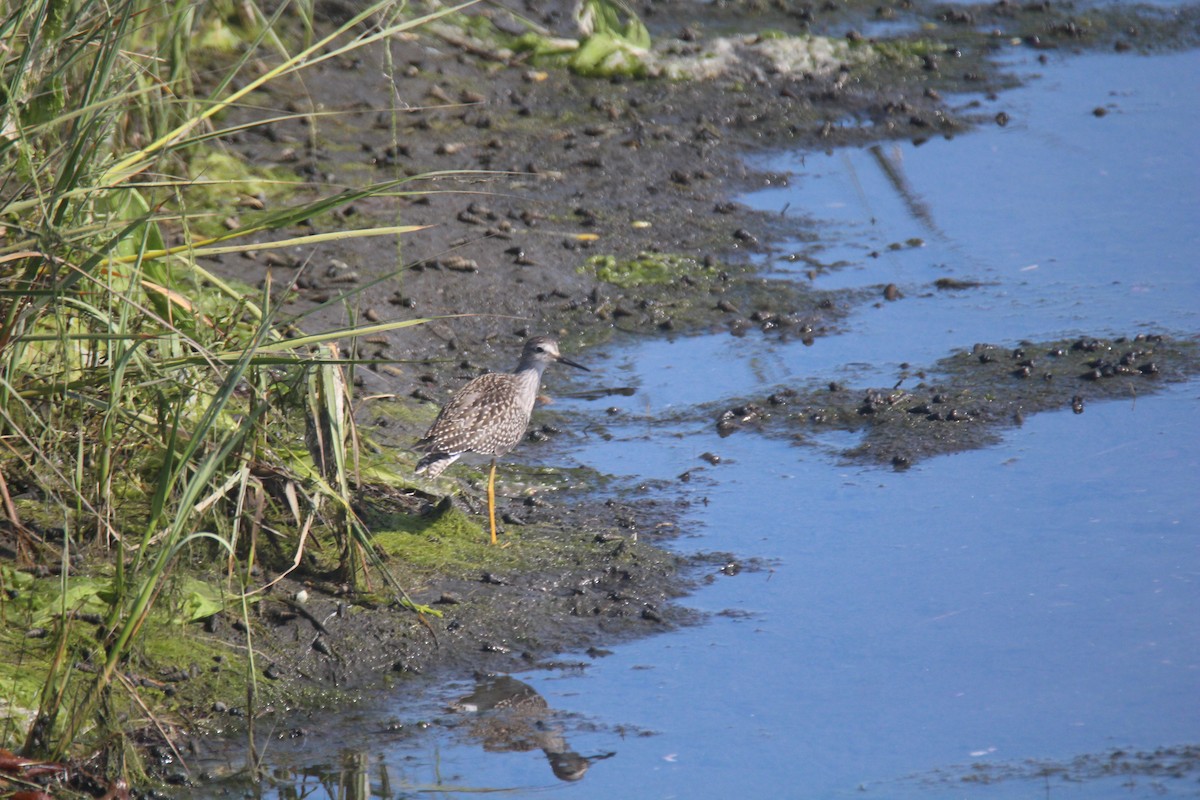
pixel 605 214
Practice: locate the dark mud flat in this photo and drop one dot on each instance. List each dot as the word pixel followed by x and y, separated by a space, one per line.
pixel 967 400
pixel 1164 763
pixel 571 575
pixel 599 208
pixel 594 209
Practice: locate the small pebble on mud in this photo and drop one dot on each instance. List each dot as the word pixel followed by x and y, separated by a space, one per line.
pixel 743 235
pixel 458 264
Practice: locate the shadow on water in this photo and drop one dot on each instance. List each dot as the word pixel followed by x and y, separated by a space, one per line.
pixel 996 623
pixel 508 716
pixel 389 749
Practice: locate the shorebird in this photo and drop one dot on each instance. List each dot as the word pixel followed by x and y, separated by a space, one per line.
pixel 489 415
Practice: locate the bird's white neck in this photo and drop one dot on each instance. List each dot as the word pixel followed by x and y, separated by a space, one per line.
pixel 528 379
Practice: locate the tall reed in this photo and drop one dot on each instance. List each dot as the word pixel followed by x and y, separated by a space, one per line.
pixel 142 397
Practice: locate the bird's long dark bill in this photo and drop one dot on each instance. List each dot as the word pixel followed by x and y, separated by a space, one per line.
pixel 571 363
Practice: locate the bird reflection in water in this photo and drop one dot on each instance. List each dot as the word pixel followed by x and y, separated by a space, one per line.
pixel 510 716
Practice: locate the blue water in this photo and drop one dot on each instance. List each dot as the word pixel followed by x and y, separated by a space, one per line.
pixel 1081 223
pixel 1038 597
pixel 1034 600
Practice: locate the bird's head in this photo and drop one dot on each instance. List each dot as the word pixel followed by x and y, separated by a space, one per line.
pixel 541 351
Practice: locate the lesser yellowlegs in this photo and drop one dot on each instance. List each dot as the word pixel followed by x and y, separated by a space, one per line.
pixel 489 415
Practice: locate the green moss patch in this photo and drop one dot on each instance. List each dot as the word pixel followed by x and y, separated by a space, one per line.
pixel 447 540
pixel 226 185
pixel 646 269
pixel 173 670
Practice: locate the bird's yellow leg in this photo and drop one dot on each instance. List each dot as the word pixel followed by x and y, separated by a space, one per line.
pixel 492 499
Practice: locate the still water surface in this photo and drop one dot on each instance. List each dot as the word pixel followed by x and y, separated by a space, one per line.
pixel 1012 608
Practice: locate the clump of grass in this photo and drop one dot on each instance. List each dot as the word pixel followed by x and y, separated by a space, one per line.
pixel 148 410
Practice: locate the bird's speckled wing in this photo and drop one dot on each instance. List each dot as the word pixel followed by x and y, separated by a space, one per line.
pixel 483 417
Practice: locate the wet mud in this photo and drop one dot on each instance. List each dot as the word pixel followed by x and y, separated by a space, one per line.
pixel 967 400
pixel 1138 771
pixel 600 210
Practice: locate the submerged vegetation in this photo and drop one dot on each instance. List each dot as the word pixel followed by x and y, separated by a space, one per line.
pixel 153 416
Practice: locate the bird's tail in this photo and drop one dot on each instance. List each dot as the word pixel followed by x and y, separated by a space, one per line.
pixel 435 464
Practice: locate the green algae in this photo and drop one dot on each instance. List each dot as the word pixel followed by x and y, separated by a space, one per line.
pixel 170 673
pixel 448 541
pixel 645 269
pixel 400 411
pixel 225 185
